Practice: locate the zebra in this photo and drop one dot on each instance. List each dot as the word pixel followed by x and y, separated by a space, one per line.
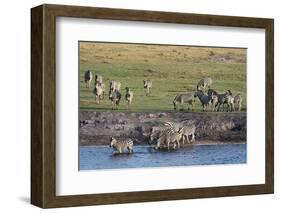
pixel 115 97
pixel 238 101
pixel 98 78
pixel 187 131
pixel 188 128
pixel 121 145
pixel 229 99
pixel 147 85
pixel 98 91
pixel 204 99
pixel 204 83
pixel 220 98
pixel 114 85
pixel 182 99
pixel 129 97
pixel 168 138
pixel 157 131
pixel 88 76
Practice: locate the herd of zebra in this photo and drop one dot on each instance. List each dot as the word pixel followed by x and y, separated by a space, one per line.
pixel 211 98
pixel 164 136
pixel 114 90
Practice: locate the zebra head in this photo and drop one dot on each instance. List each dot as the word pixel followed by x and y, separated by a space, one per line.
pixel 198 93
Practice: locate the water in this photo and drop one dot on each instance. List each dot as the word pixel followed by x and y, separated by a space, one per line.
pixel 102 157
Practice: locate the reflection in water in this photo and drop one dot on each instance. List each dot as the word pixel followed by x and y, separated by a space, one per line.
pixel 102 157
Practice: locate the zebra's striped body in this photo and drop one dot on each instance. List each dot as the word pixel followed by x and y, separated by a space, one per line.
pixel 204 83
pixel 238 101
pixel 88 76
pixel 204 99
pixel 114 86
pixel 98 79
pixel 129 97
pixel 229 99
pixel 147 85
pixel 121 145
pixel 182 99
pixel 98 91
pixel 169 138
pixel 220 99
pixel 188 130
pixel 158 131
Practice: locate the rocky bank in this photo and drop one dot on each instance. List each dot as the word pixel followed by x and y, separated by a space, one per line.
pixel 96 128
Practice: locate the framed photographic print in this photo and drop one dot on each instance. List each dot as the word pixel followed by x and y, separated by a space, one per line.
pixel 136 106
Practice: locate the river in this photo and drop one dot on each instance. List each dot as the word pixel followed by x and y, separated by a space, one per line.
pixel 102 157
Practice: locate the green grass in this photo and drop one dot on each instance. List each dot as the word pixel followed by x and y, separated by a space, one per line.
pixel 173 70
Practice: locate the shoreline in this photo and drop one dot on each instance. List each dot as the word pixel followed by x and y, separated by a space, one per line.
pixel 182 145
pixel 96 128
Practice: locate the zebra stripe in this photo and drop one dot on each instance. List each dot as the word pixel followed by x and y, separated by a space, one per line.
pixel 121 145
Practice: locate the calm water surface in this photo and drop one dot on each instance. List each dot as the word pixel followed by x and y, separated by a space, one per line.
pixel 102 157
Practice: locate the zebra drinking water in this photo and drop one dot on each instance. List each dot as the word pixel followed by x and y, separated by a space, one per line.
pixel 168 138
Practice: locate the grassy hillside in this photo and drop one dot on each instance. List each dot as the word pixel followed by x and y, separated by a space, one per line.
pixel 173 70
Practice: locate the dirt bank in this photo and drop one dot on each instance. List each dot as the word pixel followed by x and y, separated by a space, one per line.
pixel 97 127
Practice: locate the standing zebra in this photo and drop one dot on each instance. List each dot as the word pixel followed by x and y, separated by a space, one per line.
pixel 121 145
pixel 220 99
pixel 114 85
pixel 168 138
pixel 157 131
pixel 128 97
pixel 115 97
pixel 98 91
pixel 88 76
pixel 238 101
pixel 188 130
pixel 204 99
pixel 204 83
pixel 98 78
pixel 147 85
pixel 182 99
pixel 98 81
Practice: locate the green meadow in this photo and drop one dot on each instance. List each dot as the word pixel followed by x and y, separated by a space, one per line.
pixel 173 70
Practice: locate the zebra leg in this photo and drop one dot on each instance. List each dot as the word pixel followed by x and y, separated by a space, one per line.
pixel 187 138
pixel 178 142
pixel 119 150
pixel 130 149
pixel 183 139
pixel 193 138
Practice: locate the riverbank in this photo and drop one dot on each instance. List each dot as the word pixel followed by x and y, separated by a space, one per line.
pixel 96 128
